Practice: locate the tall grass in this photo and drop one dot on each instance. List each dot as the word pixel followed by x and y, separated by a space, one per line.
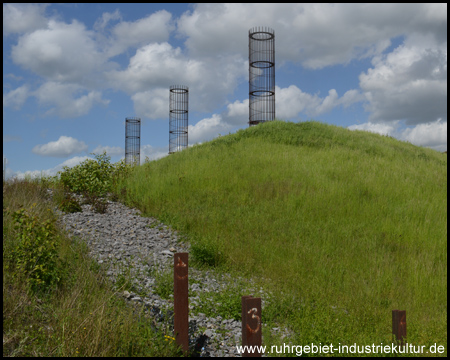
pixel 344 226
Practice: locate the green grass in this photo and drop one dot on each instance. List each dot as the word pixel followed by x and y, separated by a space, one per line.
pixel 344 226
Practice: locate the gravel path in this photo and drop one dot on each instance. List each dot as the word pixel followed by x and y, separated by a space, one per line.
pixel 125 242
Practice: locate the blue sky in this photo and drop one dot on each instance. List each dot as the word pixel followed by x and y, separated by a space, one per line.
pixel 72 73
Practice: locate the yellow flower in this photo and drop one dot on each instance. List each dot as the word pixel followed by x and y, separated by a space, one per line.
pixel 169 337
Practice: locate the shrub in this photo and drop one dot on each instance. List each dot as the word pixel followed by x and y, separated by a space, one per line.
pixel 90 176
pixel 94 176
pixel 34 255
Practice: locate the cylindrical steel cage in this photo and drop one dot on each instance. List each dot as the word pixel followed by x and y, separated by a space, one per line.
pixel 178 118
pixel 261 58
pixel 132 140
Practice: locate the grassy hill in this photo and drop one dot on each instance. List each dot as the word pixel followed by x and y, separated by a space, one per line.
pixel 342 226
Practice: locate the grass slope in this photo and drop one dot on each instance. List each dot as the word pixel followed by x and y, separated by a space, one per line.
pixel 343 226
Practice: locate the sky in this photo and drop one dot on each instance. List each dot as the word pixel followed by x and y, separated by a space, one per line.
pixel 72 74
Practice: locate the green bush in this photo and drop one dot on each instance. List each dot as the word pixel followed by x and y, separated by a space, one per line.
pixel 94 176
pixel 90 176
pixel 35 253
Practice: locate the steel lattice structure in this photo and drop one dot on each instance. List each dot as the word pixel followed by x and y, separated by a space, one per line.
pixel 132 140
pixel 261 58
pixel 178 118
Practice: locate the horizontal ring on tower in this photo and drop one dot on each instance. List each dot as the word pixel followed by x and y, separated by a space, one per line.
pixel 262 64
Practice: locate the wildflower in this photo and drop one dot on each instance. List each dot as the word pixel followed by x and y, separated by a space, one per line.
pixel 169 338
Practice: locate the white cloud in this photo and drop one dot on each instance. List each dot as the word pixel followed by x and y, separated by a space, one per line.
pixel 106 18
pixel 29 174
pixel 16 98
pixel 207 129
pixel 410 83
pixel 237 113
pixel 61 52
pixel 48 172
pixel 152 104
pixel 153 153
pixel 328 103
pixel 292 101
pixel 63 147
pixel 153 28
pixel 379 128
pixel 433 134
pixel 155 65
pixel 317 35
pixel 70 162
pixel 158 66
pixel 65 101
pixel 350 97
pixel 21 18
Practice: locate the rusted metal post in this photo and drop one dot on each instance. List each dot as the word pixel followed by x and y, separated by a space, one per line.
pixel 399 326
pixel 180 297
pixel 251 324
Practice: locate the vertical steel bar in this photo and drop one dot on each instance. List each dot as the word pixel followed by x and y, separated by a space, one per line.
pixel 399 326
pixel 181 302
pixel 251 323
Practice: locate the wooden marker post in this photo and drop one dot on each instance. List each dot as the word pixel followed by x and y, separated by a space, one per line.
pixel 399 326
pixel 180 297
pixel 251 324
